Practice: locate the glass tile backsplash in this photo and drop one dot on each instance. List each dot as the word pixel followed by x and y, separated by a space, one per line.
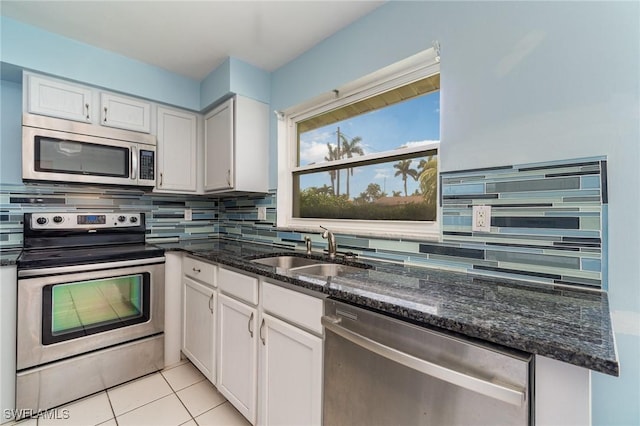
pixel 548 221
pixel 547 225
pixel 164 213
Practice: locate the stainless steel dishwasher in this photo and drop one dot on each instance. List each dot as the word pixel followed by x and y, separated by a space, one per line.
pixel 383 371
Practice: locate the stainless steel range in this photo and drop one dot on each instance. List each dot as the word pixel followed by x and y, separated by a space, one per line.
pixel 90 306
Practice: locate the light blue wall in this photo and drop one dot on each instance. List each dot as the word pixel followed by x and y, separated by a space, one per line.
pixel 216 85
pixel 235 76
pixel 250 81
pixel 32 48
pixel 521 82
pixel 10 132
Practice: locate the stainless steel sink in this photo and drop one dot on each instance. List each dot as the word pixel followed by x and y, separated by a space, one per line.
pixel 286 262
pixel 303 265
pixel 327 269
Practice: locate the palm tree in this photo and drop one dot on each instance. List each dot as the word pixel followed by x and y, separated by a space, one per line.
pixel 428 177
pixel 404 170
pixel 348 149
pixel 333 151
pixel 372 193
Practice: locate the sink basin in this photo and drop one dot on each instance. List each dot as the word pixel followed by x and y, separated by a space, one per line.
pixel 286 262
pixel 327 269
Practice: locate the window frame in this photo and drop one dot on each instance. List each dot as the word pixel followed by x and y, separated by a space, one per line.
pixel 416 67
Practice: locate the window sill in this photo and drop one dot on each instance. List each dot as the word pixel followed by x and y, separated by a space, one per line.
pixel 405 231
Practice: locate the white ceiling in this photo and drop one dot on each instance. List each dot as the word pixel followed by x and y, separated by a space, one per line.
pixel 193 37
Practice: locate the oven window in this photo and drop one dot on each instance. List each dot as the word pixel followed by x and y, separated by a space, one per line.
pixel 82 158
pixel 76 309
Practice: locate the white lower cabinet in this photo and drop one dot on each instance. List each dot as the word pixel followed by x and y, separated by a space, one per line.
pixel 238 355
pixel 8 301
pixel 199 302
pixel 266 341
pixel 198 342
pixel 290 374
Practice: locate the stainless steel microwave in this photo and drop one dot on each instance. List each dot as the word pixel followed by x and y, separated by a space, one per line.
pixel 66 151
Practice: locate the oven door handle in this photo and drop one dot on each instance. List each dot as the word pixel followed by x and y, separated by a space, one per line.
pixel 493 390
pixel 88 267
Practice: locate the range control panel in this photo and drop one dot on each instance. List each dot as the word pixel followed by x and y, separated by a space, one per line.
pixel 84 220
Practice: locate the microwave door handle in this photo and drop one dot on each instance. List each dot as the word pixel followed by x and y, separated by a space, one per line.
pixel 134 163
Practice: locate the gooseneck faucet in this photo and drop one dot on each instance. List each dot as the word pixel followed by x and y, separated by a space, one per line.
pixel 332 249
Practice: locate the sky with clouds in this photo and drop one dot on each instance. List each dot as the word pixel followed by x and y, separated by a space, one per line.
pixel 411 122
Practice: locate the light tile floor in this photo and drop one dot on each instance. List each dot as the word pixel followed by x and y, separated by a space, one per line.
pixel 177 396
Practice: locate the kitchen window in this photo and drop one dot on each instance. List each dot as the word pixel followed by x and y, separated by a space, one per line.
pixel 364 158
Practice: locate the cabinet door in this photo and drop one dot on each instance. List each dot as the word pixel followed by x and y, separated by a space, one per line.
pixel 237 355
pixel 8 301
pixel 59 99
pixel 218 148
pixel 177 148
pixel 125 113
pixel 198 329
pixel 290 374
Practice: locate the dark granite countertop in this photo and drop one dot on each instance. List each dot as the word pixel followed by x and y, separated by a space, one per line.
pixel 9 257
pixel 566 324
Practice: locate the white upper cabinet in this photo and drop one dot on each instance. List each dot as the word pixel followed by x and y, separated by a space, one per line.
pixel 125 113
pixel 236 145
pixel 177 133
pixel 218 148
pixel 60 99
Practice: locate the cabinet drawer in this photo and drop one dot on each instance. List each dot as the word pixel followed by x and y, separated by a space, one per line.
pixel 201 271
pixel 297 308
pixel 241 286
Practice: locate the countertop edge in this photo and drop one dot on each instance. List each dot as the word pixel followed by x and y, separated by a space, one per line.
pixel 609 366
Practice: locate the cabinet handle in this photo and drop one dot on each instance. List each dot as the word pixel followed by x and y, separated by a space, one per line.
pixel 86 106
pixel 211 303
pixel 229 177
pixel 249 325
pixel 160 179
pixel 261 336
pixel 196 269
pixel 105 114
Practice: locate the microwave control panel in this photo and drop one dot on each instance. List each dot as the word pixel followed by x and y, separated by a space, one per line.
pixel 147 165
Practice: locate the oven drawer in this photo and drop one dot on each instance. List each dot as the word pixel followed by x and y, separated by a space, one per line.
pixel 199 270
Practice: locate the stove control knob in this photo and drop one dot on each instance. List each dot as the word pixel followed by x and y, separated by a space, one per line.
pixel 121 218
pixel 41 220
pixel 133 219
pixel 57 219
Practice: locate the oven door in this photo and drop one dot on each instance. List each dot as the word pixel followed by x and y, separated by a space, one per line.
pixel 69 310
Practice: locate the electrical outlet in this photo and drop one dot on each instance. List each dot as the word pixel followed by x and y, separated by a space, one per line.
pixel 481 220
pixel 262 213
pixel 188 214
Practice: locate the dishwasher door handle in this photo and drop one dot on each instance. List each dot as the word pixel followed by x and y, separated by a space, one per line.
pixel 493 390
